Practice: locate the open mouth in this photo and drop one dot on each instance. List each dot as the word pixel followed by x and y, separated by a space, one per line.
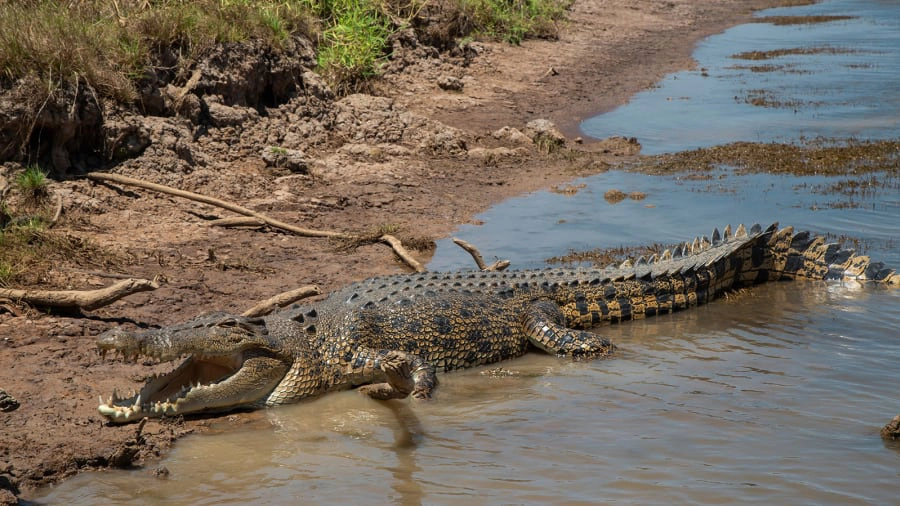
pixel 170 393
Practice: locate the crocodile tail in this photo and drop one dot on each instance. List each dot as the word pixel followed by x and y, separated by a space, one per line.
pixel 782 254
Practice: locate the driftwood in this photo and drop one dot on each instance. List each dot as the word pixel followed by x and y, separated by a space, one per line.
pixel 84 299
pixel 401 252
pixel 282 299
pixel 499 265
pixel 117 178
pixel 258 218
pixel 239 221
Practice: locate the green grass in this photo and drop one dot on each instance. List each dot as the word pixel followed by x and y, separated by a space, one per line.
pixel 515 20
pixel 32 182
pixel 6 273
pixel 354 43
pixel 110 45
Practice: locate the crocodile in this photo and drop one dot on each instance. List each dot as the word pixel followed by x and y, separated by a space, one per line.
pixel 390 335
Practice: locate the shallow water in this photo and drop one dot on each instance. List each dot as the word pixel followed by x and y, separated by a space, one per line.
pixel 849 89
pixel 775 396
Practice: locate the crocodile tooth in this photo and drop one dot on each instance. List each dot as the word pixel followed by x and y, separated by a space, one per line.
pixel 756 229
pixel 705 243
pixel 137 401
pixel 653 259
pixel 741 232
pixel 101 399
pixel 626 264
pixel 640 261
pixel 695 246
pixel 666 256
pixel 115 396
pixel 727 232
pixel 716 238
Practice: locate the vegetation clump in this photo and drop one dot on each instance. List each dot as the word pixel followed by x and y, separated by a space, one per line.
pixel 818 156
pixel 112 45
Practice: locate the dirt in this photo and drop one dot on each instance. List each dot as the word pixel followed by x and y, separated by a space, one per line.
pixel 443 135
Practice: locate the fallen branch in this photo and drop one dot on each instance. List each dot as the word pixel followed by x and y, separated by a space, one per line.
pixel 499 265
pixel 117 178
pixel 84 299
pixel 282 299
pixel 402 253
pixel 240 221
pixel 258 218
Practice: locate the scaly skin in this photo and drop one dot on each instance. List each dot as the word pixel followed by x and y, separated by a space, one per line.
pixel 392 334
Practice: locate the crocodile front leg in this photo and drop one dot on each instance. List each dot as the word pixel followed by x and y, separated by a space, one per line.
pixel 391 374
pixel 398 373
pixel 543 325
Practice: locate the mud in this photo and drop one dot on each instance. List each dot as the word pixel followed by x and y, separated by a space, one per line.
pixel 417 155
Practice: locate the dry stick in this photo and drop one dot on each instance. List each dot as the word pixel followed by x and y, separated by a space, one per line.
pixel 387 239
pixel 499 265
pixel 85 299
pixel 402 253
pixel 116 178
pixel 239 221
pixel 282 299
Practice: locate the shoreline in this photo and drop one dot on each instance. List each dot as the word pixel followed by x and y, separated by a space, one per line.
pixel 606 53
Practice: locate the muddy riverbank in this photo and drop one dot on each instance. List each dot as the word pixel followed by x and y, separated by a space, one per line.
pixel 414 156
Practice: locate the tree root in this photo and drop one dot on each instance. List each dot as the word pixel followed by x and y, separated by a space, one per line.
pixel 84 299
pixel 282 299
pixel 255 218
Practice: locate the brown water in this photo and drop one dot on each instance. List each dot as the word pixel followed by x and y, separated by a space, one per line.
pixel 775 396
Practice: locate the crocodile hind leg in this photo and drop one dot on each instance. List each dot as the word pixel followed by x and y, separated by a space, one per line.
pixel 543 325
pixel 398 373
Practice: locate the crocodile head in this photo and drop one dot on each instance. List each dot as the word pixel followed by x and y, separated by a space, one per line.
pixel 229 362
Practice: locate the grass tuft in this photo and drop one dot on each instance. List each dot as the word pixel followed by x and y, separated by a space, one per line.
pixel 32 182
pixel 354 42
pixel 515 20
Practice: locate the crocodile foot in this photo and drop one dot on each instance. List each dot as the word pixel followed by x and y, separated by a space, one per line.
pixel 891 431
pixel 399 385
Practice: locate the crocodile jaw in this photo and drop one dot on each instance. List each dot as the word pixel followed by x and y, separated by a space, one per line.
pixel 181 391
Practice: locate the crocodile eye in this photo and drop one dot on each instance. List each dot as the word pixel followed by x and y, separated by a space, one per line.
pixel 226 322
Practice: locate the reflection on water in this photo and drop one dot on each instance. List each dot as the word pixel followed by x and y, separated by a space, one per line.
pixel 848 86
pixel 774 396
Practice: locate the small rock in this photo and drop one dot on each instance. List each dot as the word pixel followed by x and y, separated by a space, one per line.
pixel 545 134
pixel 511 134
pixel 614 196
pixel 891 431
pixel 450 83
pixel 291 160
pixel 223 116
